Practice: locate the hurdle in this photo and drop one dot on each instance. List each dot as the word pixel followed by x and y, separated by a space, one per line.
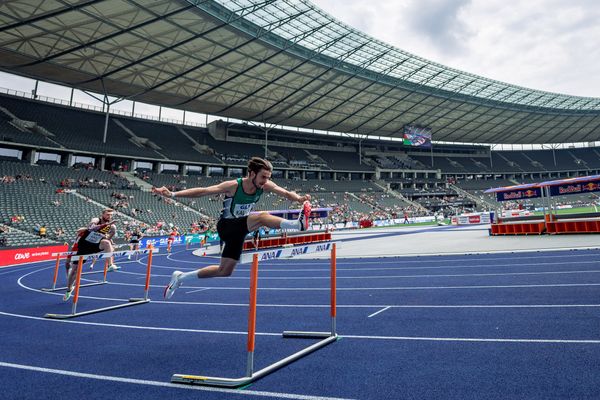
pixel 286 238
pixel 59 257
pixel 78 285
pixel 289 251
pixel 66 254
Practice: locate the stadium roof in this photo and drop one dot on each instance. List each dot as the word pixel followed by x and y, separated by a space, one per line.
pixel 275 61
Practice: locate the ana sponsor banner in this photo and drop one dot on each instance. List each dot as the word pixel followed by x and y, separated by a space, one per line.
pixel 160 241
pixel 29 255
pixel 287 252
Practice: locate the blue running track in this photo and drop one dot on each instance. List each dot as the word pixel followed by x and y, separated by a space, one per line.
pixel 497 326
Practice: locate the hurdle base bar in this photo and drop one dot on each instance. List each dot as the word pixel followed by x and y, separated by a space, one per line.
pixel 65 288
pixel 306 335
pixel 132 302
pixel 237 382
pixel 100 271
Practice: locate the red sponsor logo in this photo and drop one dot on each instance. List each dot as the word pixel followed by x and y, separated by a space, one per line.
pixel 28 255
pixel 474 219
pixel 22 256
pixel 569 189
pixel 512 195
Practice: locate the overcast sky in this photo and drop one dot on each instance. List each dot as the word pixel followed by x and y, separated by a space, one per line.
pixel 550 45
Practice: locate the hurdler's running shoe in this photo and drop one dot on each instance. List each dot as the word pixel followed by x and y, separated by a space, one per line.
pixel 113 267
pixel 173 285
pixel 304 215
pixel 67 295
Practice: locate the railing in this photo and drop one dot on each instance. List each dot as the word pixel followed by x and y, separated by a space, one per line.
pixel 91 107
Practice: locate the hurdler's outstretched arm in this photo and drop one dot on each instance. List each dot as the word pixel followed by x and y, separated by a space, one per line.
pixel 227 187
pixel 278 190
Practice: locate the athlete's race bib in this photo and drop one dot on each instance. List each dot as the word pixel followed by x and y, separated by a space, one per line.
pixel 94 237
pixel 241 210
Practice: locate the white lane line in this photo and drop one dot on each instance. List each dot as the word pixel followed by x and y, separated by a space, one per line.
pixel 222 304
pixel 17 269
pixel 457 258
pixel 317 305
pixel 512 265
pixel 348 306
pixel 278 334
pixel 492 340
pixel 267 266
pixel 379 312
pixel 358 289
pixel 148 328
pixel 309 289
pixel 288 278
pixel 197 290
pixel 119 379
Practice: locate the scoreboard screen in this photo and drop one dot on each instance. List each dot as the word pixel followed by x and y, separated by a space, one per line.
pixel 416 136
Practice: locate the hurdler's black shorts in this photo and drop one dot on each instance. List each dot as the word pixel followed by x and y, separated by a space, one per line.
pixel 84 247
pixel 233 232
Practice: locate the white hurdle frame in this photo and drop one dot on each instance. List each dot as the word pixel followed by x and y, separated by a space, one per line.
pixel 78 285
pixel 73 253
pixel 326 337
pixel 57 267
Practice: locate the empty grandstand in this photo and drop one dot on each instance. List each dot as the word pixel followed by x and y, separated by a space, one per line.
pixel 380 179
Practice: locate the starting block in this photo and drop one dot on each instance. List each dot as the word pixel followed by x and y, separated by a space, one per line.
pixel 290 251
pixel 78 285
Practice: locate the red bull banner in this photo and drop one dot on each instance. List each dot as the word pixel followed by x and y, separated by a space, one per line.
pixel 519 194
pixel 574 188
pixel 29 255
pixel 559 187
